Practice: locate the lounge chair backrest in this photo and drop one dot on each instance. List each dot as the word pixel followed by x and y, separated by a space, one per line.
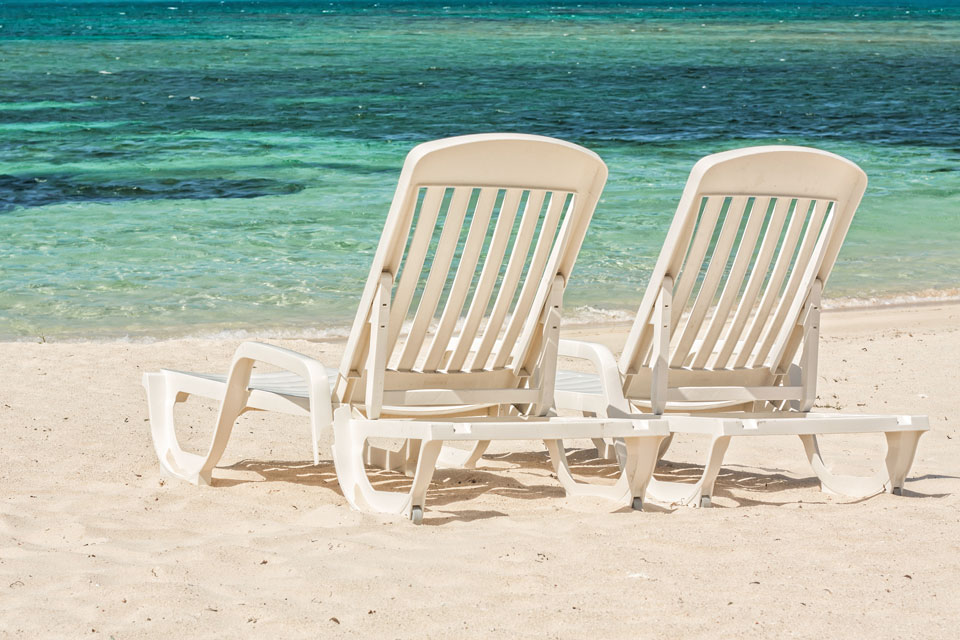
pixel 753 240
pixel 462 303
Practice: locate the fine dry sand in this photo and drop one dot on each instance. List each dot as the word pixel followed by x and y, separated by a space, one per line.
pixel 94 541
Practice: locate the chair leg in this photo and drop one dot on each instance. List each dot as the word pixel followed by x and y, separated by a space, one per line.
pixel 315 428
pixel 606 450
pixel 700 493
pixel 630 488
pixel 426 465
pixel 403 459
pixel 451 458
pixel 348 459
pixel 476 454
pixel 162 397
pixel 641 461
pixel 664 446
pixel 901 449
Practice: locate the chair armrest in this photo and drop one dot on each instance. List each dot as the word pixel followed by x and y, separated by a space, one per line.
pixel 306 367
pixel 283 358
pixel 604 364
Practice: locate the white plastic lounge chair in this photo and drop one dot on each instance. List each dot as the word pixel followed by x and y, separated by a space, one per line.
pixel 456 334
pixel 727 331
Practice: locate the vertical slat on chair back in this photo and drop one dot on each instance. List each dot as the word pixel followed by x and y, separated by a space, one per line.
pixel 451 304
pixel 754 230
pixel 479 228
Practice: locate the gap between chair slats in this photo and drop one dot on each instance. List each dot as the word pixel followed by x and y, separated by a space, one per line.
pixel 413 262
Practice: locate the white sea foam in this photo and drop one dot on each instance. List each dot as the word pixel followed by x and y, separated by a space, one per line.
pixel 595 315
pixel 575 317
pixel 589 315
pixel 927 296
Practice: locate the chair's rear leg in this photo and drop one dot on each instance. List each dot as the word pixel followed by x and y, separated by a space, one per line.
pixel 606 450
pixel 426 464
pixel 349 439
pixel 558 456
pixel 161 399
pixel 475 454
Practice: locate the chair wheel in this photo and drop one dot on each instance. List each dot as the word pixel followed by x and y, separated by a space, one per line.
pixel 705 501
pixel 416 515
pixel 637 504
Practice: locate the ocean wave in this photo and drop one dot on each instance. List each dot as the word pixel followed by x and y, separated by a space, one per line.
pixel 578 317
pixel 926 296
pixel 589 315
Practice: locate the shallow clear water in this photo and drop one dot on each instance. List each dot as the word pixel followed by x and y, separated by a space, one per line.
pixel 191 167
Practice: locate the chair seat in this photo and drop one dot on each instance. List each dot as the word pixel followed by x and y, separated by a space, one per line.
pixel 591 384
pixel 293 391
pixel 282 383
pixel 578 382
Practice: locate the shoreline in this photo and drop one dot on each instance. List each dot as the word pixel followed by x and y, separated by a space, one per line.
pixel 340 333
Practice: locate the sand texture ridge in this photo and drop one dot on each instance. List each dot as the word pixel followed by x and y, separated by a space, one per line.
pixel 94 541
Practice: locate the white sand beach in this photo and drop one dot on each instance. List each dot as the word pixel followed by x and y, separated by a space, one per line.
pixel 95 542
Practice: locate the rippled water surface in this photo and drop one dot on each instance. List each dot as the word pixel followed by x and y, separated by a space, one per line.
pixel 189 167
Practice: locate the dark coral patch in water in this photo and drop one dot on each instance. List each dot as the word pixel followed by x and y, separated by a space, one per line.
pixel 38 191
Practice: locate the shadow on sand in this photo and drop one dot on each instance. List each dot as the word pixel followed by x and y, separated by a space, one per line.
pixel 529 475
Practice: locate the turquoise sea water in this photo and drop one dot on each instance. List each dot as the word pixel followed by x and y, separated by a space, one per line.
pixel 184 168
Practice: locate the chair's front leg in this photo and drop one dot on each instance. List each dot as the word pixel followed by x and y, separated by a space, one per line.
pixel 234 401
